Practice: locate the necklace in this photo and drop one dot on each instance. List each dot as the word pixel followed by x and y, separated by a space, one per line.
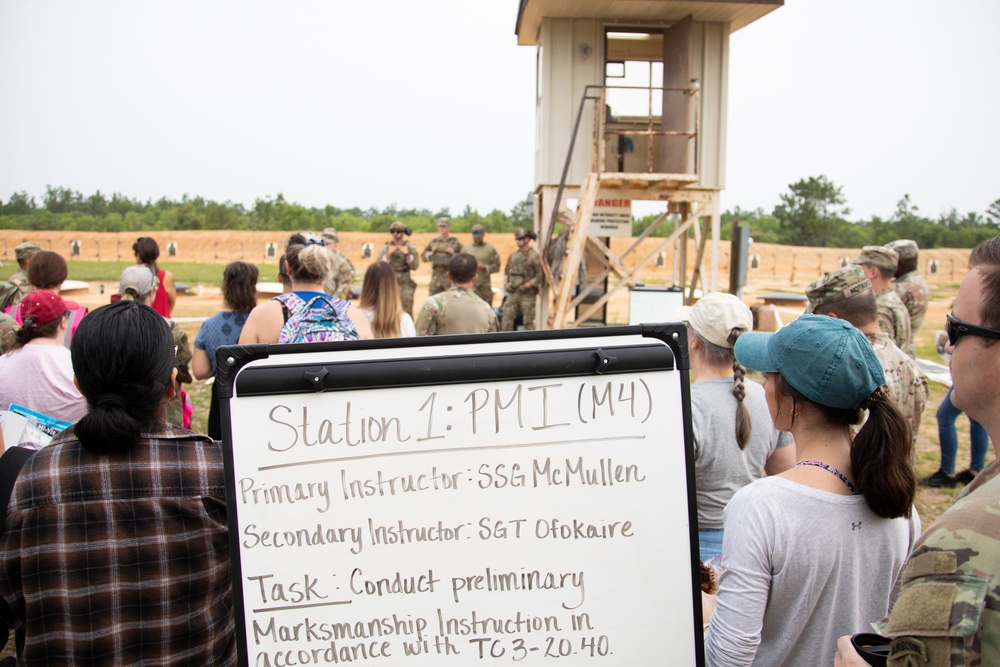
pixel 830 468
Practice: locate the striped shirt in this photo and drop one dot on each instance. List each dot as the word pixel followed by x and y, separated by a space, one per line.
pixel 122 558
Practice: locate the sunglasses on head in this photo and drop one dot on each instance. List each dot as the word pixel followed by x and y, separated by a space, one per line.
pixel 956 329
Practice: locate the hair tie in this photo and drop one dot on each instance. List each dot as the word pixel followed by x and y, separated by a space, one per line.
pixel 111 401
pixel 873 399
pixel 314 242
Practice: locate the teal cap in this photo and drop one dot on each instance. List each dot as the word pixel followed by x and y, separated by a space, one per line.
pixel 825 359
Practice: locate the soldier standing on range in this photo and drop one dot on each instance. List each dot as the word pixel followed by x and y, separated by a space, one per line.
pixel 847 295
pixel 879 266
pixel 909 284
pixel 489 262
pixel 457 310
pixel 23 252
pixel 439 252
pixel 338 284
pixel 402 256
pixel 523 279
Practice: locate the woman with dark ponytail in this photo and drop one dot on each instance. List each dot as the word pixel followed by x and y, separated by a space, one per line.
pixel 734 439
pixel 814 553
pixel 115 548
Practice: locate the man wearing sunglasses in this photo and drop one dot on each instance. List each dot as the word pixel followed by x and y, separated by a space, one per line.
pixel 403 257
pixel 948 608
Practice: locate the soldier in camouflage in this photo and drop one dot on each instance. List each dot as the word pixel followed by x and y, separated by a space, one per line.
pixel 457 310
pixel 848 295
pixel 879 265
pixel 439 252
pixel 402 256
pixel 338 283
pixel 909 284
pixel 947 612
pixel 489 262
pixel 23 252
pixel 523 278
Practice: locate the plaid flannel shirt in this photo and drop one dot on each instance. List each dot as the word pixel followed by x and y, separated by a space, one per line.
pixel 120 559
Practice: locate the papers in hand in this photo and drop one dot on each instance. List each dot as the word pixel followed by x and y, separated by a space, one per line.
pixel 28 428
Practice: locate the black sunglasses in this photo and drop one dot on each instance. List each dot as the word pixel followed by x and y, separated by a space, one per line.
pixel 956 329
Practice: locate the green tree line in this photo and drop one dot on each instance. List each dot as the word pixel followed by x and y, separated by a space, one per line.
pixel 812 213
pixel 65 209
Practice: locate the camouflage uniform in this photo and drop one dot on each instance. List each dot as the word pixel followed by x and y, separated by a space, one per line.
pixel 915 295
pixel 489 262
pixel 894 320
pixel 339 283
pixel 23 251
pixel 175 413
pixel 947 612
pixel 8 327
pixel 523 268
pixel 456 311
pixel 402 263
pixel 437 254
pixel 904 383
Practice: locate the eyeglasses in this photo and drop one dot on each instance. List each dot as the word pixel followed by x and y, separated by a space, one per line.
pixel 956 329
pixel 520 238
pixel 397 231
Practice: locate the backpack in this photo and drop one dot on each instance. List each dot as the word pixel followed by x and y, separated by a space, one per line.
pixel 11 294
pixel 321 318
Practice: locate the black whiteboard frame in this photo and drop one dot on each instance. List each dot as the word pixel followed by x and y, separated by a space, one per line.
pixel 306 377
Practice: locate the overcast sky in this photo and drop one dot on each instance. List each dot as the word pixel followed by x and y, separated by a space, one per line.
pixel 430 104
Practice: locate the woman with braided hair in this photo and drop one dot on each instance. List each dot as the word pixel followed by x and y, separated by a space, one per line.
pixel 814 553
pixel 734 439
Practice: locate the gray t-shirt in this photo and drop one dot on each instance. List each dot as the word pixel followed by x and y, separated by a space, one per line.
pixel 721 468
pixel 801 567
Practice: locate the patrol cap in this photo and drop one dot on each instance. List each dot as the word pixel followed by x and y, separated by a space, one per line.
pixel 521 233
pixel 330 234
pixel 905 248
pixel 397 227
pixel 23 251
pixel 825 359
pixel 837 286
pixel 715 316
pixel 444 222
pixel 878 255
pixel 477 229
pixel 138 278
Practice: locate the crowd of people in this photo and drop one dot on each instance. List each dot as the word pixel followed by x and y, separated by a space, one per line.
pixel 805 482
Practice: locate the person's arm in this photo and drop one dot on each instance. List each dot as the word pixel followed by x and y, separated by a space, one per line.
pixel 412 258
pixel 783 457
pixel 263 324
pixel 744 587
pixel 427 319
pixel 494 262
pixel 183 354
pixel 361 324
pixel 170 289
pixel 201 365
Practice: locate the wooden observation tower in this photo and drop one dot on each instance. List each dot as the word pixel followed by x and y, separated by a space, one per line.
pixel 631 103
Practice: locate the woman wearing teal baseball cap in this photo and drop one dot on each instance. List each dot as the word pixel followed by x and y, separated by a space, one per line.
pixel 814 553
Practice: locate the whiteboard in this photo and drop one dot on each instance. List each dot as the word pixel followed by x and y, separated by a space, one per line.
pixel 464 500
pixel 653 304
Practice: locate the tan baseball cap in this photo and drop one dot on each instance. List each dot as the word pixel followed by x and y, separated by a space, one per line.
pixel 715 316
pixel 905 248
pixel 837 286
pixel 878 255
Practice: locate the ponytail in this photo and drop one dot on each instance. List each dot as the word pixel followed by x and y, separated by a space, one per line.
pixel 123 356
pixel 881 459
